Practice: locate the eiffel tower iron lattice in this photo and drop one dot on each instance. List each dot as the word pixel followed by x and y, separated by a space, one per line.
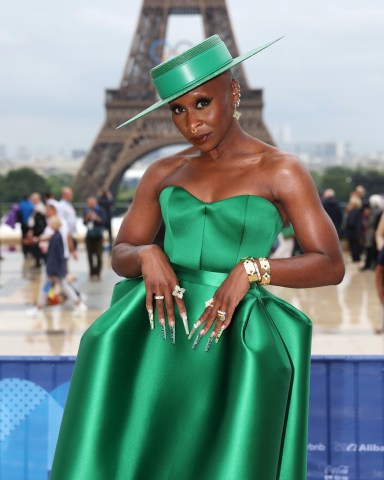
pixel 114 151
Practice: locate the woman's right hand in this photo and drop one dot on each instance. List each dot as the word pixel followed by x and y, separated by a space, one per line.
pixel 160 281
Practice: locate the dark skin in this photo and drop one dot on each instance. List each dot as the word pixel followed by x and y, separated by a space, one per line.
pixel 224 161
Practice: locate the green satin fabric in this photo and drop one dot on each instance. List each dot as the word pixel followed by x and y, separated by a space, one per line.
pixel 140 408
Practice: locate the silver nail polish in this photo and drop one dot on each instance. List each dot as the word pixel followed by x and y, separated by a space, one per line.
pixel 163 331
pixel 172 331
pixel 209 343
pixel 185 322
pixel 195 327
pixel 151 322
pixel 197 340
pixel 219 333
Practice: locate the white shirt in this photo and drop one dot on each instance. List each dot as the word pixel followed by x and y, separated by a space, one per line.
pixel 68 213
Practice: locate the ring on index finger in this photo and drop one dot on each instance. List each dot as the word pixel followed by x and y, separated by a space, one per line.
pixel 221 315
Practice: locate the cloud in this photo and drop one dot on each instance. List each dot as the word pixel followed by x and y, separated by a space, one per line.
pixel 10 39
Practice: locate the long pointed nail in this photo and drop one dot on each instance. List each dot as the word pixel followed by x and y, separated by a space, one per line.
pixel 219 333
pixel 163 330
pixel 209 343
pixel 197 340
pixel 151 322
pixel 195 327
pixel 172 331
pixel 185 322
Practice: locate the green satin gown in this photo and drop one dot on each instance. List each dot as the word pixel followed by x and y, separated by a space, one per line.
pixel 141 408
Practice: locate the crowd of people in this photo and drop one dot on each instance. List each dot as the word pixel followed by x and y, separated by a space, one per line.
pixel 358 224
pixel 49 240
pixel 361 224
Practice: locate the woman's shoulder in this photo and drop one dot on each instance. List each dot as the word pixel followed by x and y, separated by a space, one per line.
pixel 158 173
pixel 277 157
pixel 284 173
pixel 160 170
pixel 279 163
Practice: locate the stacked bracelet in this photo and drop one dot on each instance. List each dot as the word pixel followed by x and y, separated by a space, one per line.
pixel 253 271
pixel 265 271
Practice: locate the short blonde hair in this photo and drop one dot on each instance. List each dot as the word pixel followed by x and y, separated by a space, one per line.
pixel 355 202
pixel 54 222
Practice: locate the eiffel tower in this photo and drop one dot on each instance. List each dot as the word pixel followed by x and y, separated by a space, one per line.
pixel 114 151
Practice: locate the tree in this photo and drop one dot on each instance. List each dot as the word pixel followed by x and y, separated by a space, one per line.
pixel 340 179
pixel 21 182
pixel 57 182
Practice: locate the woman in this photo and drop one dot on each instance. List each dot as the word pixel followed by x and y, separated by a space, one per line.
pixel 353 229
pixel 155 402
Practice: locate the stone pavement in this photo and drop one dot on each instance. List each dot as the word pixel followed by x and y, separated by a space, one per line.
pixel 344 317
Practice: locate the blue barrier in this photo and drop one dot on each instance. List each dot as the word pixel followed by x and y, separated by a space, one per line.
pixel 346 416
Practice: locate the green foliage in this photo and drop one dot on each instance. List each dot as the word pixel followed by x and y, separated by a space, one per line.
pixel 18 183
pixel 340 179
pixel 21 182
pixel 57 182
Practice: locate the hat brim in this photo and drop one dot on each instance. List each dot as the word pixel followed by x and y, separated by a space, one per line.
pixel 197 83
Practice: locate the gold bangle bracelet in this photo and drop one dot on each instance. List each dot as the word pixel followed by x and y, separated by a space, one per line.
pixel 265 271
pixel 257 273
pixel 264 264
pixel 251 269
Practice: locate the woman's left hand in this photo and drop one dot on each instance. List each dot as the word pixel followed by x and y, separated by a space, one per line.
pixel 222 306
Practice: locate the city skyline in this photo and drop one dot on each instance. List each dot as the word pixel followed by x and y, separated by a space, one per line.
pixel 324 79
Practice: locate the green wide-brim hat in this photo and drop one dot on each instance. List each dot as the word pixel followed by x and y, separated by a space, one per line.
pixel 192 68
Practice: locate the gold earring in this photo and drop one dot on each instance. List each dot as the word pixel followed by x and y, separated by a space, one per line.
pixel 236 114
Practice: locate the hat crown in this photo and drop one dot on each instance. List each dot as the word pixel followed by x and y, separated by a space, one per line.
pixel 186 56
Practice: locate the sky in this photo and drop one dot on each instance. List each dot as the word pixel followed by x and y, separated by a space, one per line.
pixel 323 82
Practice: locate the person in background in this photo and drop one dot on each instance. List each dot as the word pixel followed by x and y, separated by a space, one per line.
pixel 353 228
pixel 93 218
pixel 332 206
pixel 106 202
pixel 36 226
pixel 379 279
pixel 68 213
pixel 56 225
pixel 379 234
pixel 24 212
pixel 374 213
pixel 55 261
pixel 361 192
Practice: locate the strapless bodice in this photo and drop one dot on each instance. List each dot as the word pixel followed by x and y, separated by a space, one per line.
pixel 214 236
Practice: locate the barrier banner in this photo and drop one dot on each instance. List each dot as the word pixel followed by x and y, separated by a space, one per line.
pixel 346 419
pixel 346 416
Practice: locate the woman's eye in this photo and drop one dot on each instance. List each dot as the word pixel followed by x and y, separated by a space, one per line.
pixel 176 109
pixel 203 102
